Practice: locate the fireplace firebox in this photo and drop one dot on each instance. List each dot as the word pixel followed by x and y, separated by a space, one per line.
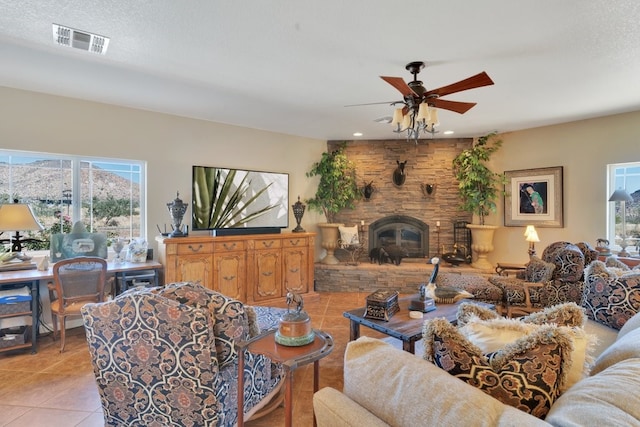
pixel 405 231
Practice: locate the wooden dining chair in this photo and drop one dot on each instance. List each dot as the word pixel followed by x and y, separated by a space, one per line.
pixel 76 282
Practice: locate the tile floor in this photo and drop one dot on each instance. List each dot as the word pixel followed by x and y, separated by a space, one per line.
pixel 56 389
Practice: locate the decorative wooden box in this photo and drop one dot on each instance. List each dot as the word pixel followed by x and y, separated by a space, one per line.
pixel 382 305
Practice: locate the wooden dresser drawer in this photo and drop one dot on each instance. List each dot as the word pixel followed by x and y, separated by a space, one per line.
pixel 231 245
pixel 295 242
pixel 195 248
pixel 268 243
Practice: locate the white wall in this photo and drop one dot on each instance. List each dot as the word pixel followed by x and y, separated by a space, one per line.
pixel 170 145
pixel 583 149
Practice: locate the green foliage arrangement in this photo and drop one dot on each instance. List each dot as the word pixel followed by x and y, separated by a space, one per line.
pixel 219 202
pixel 338 188
pixel 477 184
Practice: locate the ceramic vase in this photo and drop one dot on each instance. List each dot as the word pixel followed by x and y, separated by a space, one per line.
pixel 330 235
pixel 482 244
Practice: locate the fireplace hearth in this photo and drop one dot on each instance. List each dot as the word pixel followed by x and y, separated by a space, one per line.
pixel 405 231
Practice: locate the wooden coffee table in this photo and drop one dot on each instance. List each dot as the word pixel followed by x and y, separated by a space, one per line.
pixel 401 326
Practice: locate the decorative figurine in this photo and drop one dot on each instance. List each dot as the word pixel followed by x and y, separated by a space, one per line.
pixel 368 190
pixel 398 175
pixel 298 211
pixel 294 329
pixel 177 208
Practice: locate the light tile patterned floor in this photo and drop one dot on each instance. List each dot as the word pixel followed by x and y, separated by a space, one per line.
pixel 50 389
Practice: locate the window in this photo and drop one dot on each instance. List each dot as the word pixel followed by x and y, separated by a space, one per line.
pixel 106 195
pixel 624 176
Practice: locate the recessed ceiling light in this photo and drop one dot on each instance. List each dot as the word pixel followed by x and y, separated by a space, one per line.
pixel 66 36
pixel 357 134
pixel 448 132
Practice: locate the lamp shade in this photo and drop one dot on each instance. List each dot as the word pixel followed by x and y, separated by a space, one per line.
pixel 529 230
pixel 397 117
pixel 18 217
pixel 620 195
pixel 532 237
pixel 423 113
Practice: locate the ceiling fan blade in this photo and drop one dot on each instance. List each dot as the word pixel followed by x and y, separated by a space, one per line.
pixel 399 84
pixel 479 80
pixel 374 103
pixel 458 107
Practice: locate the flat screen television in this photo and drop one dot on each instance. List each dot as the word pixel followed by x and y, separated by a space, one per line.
pixel 235 201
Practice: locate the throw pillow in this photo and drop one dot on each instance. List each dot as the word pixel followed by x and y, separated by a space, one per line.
pixel 527 374
pixel 495 334
pixel 567 314
pixel 616 263
pixel 349 235
pixel 538 271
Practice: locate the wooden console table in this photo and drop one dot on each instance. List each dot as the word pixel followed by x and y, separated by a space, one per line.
pixel 256 269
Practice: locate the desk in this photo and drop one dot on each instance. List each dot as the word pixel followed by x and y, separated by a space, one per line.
pixel 32 278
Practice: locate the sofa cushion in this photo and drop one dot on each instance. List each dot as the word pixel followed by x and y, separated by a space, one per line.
pixel 527 374
pixel 538 271
pixel 601 400
pixel 610 298
pixel 626 347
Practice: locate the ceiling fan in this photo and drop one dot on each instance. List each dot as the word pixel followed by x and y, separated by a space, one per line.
pixel 419 110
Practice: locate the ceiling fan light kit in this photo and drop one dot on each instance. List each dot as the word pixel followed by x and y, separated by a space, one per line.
pixel 419 113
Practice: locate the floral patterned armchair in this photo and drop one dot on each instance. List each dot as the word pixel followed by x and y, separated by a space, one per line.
pixel 555 278
pixel 612 292
pixel 166 356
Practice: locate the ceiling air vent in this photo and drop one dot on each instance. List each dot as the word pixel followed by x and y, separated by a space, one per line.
pixel 82 40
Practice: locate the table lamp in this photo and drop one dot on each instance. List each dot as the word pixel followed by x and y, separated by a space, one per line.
pixel 531 236
pixel 18 217
pixel 621 195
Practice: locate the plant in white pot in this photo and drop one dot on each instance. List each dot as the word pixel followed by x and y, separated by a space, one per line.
pixel 478 191
pixel 337 190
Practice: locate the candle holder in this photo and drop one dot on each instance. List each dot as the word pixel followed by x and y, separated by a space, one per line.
pixel 298 211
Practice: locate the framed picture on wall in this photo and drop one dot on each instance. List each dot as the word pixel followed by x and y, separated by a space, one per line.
pixel 533 197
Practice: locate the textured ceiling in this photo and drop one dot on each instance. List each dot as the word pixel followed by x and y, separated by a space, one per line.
pixel 291 66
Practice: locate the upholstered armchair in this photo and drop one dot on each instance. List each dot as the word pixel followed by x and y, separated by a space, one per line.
pixel 166 356
pixel 612 292
pixel 555 278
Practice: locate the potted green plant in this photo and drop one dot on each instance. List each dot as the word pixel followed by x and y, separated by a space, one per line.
pixel 478 191
pixel 336 190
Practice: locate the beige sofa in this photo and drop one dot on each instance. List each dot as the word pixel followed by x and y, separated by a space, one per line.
pixel 385 386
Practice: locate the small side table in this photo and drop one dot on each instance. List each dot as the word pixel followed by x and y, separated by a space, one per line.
pixel 290 357
pixel 503 268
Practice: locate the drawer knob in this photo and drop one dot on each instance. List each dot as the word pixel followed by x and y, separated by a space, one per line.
pixel 229 278
pixel 267 244
pixel 294 242
pixel 229 246
pixel 193 249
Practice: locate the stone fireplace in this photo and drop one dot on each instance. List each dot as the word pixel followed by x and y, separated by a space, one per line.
pixel 405 231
